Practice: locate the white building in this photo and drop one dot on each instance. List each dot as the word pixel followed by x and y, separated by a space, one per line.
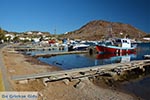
pixel 146 38
pixel 25 38
pixel 39 33
pixel 11 36
pixel 36 39
pixel 29 33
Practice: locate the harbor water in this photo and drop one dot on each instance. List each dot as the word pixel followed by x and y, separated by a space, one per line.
pixel 72 61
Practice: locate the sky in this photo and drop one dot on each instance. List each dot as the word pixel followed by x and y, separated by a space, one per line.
pixel 69 15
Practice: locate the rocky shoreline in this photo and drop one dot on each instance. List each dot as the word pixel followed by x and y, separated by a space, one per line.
pixel 19 64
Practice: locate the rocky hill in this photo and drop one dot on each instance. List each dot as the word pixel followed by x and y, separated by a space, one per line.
pixel 99 29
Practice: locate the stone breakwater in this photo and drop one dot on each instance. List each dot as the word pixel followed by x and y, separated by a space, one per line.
pixel 112 70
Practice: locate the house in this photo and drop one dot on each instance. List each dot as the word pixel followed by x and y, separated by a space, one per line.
pixel 36 40
pixel 25 38
pixel 147 38
pixel 9 36
pixel 29 33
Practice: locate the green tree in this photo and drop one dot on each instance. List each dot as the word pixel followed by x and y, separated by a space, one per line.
pixel 2 35
pixel 16 39
pixel 8 38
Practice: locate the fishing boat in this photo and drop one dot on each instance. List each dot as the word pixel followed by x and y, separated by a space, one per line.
pixel 116 46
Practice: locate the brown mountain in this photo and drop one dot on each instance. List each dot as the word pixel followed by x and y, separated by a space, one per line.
pixel 99 29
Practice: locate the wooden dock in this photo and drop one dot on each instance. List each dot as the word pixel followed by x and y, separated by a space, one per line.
pixel 111 69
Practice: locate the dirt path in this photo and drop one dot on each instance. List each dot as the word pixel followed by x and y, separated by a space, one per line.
pixel 4 84
pixel 1 82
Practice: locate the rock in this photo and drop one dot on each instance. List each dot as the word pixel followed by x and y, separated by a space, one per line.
pixel 66 81
pixel 45 80
pixel 23 82
pixel 79 85
pixel 12 71
pixel 40 94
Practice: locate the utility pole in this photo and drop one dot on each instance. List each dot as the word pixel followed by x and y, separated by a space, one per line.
pixel 55 31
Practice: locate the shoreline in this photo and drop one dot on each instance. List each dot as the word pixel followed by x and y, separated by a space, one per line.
pixel 34 60
pixel 19 64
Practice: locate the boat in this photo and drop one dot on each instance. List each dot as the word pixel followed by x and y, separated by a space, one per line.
pixel 116 46
pixel 80 47
pixel 146 56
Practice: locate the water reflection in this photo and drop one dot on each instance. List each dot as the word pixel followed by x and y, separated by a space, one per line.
pixel 85 60
pixel 102 59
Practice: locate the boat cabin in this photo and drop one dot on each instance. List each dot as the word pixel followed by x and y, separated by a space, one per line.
pixel 124 43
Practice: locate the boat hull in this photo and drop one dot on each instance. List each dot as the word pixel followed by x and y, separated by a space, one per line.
pixel 115 50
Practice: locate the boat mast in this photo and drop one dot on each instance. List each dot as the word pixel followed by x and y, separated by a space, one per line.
pixel 109 30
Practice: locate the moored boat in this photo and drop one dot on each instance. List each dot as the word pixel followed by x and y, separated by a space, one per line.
pixel 146 56
pixel 118 45
pixel 80 47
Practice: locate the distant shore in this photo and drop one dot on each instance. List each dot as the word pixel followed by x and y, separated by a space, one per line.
pixel 19 64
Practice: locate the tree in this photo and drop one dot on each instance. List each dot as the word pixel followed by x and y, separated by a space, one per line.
pixel 2 35
pixel 8 38
pixel 16 39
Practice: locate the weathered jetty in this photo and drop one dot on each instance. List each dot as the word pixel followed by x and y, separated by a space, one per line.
pixel 59 53
pixel 111 70
pixel 39 48
pixel 54 50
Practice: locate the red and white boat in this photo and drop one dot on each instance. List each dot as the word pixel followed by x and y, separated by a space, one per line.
pixel 116 46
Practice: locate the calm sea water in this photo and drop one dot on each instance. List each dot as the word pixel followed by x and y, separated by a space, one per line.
pixel 139 87
pixel 86 60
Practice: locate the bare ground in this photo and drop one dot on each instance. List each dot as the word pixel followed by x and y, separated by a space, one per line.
pixel 19 64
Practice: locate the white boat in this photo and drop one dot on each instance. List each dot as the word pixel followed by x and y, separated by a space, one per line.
pixel 80 47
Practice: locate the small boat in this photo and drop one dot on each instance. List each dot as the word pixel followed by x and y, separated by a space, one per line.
pixel 80 47
pixel 116 46
pixel 146 56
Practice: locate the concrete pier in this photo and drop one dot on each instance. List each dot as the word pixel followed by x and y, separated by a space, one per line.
pixel 59 53
pixel 111 69
pixel 38 48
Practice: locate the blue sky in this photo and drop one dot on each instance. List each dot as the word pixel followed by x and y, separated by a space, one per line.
pixel 69 15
